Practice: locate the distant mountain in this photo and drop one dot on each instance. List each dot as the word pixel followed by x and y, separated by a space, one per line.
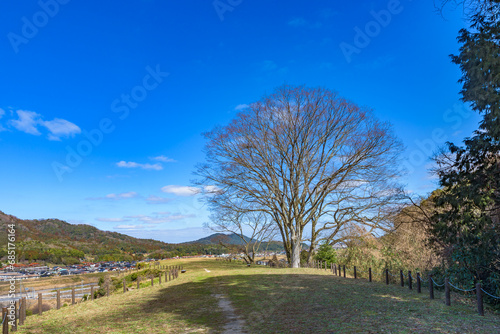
pixel 57 241
pixel 234 239
pixel 65 234
pixel 229 239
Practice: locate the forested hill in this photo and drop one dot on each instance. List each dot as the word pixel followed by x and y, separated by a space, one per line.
pixel 234 239
pixel 57 241
pixel 230 239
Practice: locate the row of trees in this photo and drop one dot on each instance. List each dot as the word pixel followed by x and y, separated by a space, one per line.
pixel 310 166
pixel 466 221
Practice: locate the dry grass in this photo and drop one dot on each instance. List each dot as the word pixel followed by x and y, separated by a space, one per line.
pixel 270 301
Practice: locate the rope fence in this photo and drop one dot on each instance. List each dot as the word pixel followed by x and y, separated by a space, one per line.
pixel 340 270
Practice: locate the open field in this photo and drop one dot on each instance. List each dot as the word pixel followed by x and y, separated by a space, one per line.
pixel 58 281
pixel 264 300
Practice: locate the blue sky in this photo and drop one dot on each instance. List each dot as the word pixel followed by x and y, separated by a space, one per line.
pixel 103 103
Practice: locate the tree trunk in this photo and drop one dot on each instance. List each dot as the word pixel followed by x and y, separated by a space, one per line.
pixel 295 258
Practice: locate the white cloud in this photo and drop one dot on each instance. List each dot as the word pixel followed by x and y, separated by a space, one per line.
pixel 130 194
pixel 160 219
pixel 212 189
pixel 162 213
pixel 27 122
pixel 241 107
pixel 127 195
pixel 163 159
pixel 111 220
pixel 60 128
pixel 2 112
pixel 180 190
pixel 130 164
pixel 157 200
pixel 129 227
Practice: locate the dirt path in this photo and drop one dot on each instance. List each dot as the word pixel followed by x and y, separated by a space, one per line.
pixel 234 325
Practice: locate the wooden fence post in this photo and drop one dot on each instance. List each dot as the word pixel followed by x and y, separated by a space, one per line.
pixel 410 282
pixel 169 275
pixel 24 309
pixel 21 306
pixel 73 296
pixel 40 303
pixel 58 299
pixel 447 291
pixel 5 327
pixel 159 279
pixel 166 277
pixel 344 271
pixel 138 282
pixel 387 276
pixel 152 280
pixel 431 287
pixel 369 274
pixel 355 276
pixel 479 297
pixel 124 286
pixel 91 292
pixel 402 278
pixel 419 284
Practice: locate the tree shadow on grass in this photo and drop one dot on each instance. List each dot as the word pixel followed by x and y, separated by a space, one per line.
pixel 308 303
pixel 287 302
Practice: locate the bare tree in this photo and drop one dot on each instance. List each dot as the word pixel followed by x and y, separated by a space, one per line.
pixel 469 7
pixel 252 227
pixel 304 156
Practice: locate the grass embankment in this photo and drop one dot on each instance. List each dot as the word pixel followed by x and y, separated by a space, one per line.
pixel 269 301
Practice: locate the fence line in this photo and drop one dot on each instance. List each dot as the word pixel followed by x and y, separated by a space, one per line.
pixel 478 290
pixel 20 311
pixel 337 269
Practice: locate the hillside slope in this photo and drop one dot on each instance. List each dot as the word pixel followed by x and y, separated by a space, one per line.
pixel 57 241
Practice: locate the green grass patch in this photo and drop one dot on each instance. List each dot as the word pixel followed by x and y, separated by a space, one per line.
pixel 269 301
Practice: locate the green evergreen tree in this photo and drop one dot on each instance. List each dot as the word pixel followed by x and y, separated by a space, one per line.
pixel 467 220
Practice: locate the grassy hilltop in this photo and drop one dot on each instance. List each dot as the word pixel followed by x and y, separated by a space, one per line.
pixel 265 300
